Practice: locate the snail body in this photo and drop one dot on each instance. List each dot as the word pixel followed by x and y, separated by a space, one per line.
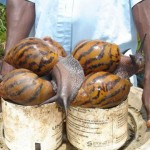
pixel 68 76
pixel 24 87
pixel 129 66
pixel 102 90
pixel 132 64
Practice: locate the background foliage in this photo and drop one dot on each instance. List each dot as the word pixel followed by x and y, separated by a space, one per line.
pixel 2 28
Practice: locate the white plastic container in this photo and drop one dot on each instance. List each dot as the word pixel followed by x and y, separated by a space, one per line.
pixel 98 129
pixel 32 127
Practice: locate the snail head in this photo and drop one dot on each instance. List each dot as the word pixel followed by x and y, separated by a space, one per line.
pixel 138 59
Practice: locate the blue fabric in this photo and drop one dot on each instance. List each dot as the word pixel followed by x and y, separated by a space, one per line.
pixel 3 2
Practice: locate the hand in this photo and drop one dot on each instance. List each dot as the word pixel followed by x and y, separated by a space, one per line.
pixel 6 68
pixel 146 99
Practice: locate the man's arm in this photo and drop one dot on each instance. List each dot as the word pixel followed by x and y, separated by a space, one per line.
pixel 20 19
pixel 141 13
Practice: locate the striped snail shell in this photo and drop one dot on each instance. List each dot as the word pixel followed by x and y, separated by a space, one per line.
pixel 58 49
pixel 33 54
pixel 97 55
pixel 24 87
pixel 102 90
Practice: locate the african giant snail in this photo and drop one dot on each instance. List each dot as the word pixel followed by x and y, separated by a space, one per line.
pixel 24 87
pixel 35 54
pixel 98 55
pixel 103 89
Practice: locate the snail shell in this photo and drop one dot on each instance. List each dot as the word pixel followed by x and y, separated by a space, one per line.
pixel 24 87
pixel 33 54
pixel 97 55
pixel 58 49
pixel 102 90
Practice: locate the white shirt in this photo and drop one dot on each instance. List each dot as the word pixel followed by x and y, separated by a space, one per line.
pixel 70 21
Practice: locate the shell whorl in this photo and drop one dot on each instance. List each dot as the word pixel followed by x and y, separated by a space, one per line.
pixel 24 87
pixel 102 90
pixel 33 54
pixel 97 55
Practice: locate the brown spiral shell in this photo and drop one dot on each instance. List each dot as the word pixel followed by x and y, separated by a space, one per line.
pixel 58 49
pixel 33 54
pixel 24 87
pixel 97 55
pixel 102 90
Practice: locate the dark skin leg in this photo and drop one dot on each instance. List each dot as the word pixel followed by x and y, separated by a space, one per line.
pixel 20 18
pixel 141 13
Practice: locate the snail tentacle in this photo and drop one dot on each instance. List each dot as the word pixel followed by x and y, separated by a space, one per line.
pixel 50 100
